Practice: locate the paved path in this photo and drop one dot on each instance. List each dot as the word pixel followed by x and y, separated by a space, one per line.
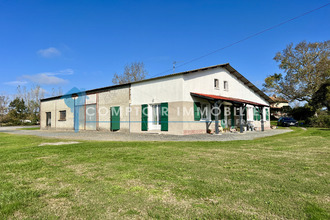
pixel 122 136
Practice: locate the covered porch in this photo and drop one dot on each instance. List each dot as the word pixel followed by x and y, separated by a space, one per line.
pixel 226 109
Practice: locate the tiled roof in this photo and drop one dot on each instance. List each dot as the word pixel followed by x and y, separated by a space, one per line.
pixel 235 100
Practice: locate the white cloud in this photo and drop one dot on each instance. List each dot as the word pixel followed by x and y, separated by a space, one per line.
pixel 61 72
pixel 49 52
pixel 45 79
pixel 16 83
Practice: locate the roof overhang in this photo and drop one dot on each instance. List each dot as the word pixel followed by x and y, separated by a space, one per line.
pixel 227 99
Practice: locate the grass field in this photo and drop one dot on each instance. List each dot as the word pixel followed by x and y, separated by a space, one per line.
pixel 280 177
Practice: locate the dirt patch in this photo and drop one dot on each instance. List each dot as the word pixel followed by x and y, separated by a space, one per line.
pixel 59 143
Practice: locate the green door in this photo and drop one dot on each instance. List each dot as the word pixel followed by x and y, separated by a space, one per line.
pixel 144 117
pixel 115 118
pixel 164 116
pixel 222 116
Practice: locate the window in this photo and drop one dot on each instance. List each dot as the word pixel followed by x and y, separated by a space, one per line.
pixel 204 112
pixel 225 85
pixel 156 115
pixel 48 119
pixel 216 83
pixel 62 115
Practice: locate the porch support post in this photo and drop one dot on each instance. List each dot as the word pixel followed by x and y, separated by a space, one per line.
pixel 261 111
pixel 241 118
pixel 216 105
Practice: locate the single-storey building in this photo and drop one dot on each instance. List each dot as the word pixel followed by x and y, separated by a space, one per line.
pixel 196 101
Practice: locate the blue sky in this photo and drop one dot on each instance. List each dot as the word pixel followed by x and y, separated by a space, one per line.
pixel 83 43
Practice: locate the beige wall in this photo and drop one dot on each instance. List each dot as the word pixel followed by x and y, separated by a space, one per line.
pixel 174 117
pixel 55 106
pixel 280 104
pixel 181 120
pixel 104 100
pixel 181 115
pixel 111 98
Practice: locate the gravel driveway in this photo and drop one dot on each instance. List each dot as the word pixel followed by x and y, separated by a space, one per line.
pixel 123 136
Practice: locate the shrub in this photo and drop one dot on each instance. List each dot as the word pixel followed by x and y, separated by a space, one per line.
pixel 321 120
pixel 302 112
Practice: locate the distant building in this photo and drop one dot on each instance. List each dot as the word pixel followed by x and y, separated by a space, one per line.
pixel 196 101
pixel 279 106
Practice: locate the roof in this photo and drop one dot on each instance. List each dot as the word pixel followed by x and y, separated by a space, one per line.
pixel 229 99
pixel 278 99
pixel 227 66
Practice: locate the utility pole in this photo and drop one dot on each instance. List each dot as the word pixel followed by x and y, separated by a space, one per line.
pixel 174 63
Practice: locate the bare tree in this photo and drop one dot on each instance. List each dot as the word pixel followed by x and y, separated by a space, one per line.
pixel 4 101
pixel 132 72
pixel 31 99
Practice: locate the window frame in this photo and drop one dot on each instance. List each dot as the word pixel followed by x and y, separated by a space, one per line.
pixel 216 84
pixel 48 119
pixel 61 112
pixel 155 125
pixel 225 85
pixel 207 116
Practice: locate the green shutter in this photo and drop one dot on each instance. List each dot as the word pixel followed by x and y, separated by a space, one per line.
pixel 267 114
pixel 164 116
pixel 256 114
pixel 232 114
pixel 144 117
pixel 197 113
pixel 222 116
pixel 115 118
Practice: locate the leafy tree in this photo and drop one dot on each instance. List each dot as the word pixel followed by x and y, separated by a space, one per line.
pixel 321 97
pixel 132 72
pixel 302 112
pixel 17 111
pixel 306 66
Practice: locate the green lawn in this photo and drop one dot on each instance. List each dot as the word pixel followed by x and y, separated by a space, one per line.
pixel 280 177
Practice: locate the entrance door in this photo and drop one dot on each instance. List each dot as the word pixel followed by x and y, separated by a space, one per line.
pixel 48 119
pixel 155 120
pixel 115 118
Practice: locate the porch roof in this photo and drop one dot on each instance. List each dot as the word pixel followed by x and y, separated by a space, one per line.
pixel 229 99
